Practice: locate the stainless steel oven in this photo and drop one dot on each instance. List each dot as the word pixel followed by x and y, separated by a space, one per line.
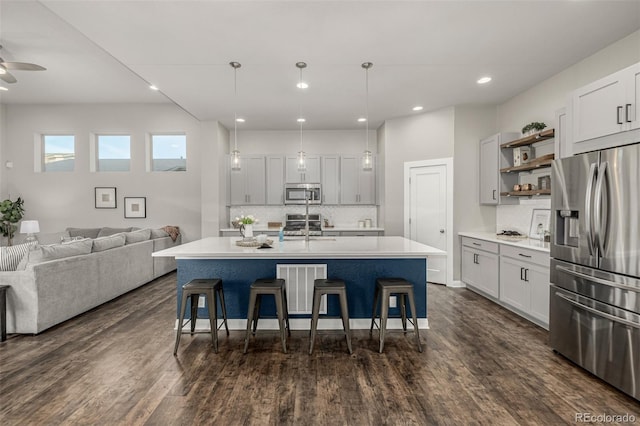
pixel 299 193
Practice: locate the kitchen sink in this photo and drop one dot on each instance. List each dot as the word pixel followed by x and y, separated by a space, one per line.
pixel 310 238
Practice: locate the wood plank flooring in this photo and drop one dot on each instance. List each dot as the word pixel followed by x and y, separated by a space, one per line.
pixel 114 365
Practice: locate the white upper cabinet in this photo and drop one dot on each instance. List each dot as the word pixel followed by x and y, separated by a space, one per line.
pixel 357 186
pixel 605 109
pixel 310 175
pixel 330 179
pixel 247 185
pixel 275 180
pixel 491 160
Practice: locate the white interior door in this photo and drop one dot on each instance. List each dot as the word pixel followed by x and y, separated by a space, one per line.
pixel 428 215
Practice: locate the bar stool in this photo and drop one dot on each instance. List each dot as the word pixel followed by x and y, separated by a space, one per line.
pixel 212 289
pixel 385 287
pixel 320 288
pixel 259 288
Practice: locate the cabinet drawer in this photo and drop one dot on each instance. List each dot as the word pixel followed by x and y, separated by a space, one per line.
pixel 526 255
pixel 480 244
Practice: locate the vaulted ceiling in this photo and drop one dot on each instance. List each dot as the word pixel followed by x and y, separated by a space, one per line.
pixel 427 53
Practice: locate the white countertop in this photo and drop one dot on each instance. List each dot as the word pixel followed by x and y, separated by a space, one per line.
pixel 334 229
pixel 529 243
pixel 297 248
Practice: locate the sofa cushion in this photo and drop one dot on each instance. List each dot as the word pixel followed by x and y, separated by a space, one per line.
pixel 11 256
pixel 83 232
pixel 158 233
pixel 106 243
pixel 137 236
pixel 105 232
pixel 59 251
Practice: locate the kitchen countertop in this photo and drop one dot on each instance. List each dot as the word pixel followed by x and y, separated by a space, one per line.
pixel 528 243
pixel 324 229
pixel 298 248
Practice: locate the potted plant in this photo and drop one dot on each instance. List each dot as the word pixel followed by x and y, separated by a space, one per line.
pixel 12 212
pixel 246 225
pixel 533 127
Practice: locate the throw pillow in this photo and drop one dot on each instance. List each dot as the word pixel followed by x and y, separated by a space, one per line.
pixel 106 243
pixel 83 232
pixel 105 232
pixel 59 251
pixel 158 233
pixel 137 236
pixel 11 256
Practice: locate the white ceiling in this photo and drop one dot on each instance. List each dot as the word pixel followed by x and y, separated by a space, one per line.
pixel 424 52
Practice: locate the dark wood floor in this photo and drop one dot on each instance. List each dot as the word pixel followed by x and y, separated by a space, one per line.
pixel 114 365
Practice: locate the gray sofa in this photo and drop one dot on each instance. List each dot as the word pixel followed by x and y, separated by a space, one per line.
pixel 48 292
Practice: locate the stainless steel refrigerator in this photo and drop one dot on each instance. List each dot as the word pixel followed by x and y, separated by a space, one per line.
pixel 594 317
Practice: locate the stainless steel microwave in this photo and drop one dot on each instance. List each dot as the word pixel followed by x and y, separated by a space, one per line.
pixel 299 193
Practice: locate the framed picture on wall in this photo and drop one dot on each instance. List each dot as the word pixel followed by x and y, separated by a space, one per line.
pixel 105 197
pixel 539 222
pixel 135 207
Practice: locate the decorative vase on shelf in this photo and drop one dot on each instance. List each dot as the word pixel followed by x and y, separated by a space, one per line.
pixel 246 230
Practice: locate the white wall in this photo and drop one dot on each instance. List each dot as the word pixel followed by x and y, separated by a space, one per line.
pixel 424 136
pixel 3 130
pixel 213 148
pixel 472 123
pixel 287 142
pixel 63 199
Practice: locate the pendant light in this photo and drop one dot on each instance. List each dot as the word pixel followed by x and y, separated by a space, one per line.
pixel 235 154
pixel 367 159
pixel 302 161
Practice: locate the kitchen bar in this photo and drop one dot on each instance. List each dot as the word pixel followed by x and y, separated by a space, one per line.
pixel 356 260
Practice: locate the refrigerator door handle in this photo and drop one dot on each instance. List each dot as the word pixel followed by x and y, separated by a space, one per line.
pixel 587 208
pixel 597 312
pixel 597 214
pixel 596 279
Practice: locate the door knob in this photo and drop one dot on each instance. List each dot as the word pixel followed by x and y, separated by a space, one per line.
pixel 442 231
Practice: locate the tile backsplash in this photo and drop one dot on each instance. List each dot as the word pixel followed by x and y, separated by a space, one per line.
pixel 518 217
pixel 340 216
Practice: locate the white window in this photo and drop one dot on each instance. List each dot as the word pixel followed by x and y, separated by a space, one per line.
pixel 168 153
pixel 114 153
pixel 58 153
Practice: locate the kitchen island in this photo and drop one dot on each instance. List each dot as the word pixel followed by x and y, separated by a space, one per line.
pixel 356 260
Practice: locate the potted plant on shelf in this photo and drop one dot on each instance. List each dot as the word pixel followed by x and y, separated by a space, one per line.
pixel 532 128
pixel 12 212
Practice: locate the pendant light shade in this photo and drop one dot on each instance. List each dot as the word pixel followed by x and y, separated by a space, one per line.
pixel 235 154
pixel 367 158
pixel 302 159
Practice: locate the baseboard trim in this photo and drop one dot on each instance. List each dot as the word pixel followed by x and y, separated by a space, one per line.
pixel 202 324
pixel 457 284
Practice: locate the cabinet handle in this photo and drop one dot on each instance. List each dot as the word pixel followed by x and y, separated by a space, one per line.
pixel 521 274
pixel 626 112
pixel 494 194
pixel 476 244
pixel 524 255
pixel 618 111
pixel 526 275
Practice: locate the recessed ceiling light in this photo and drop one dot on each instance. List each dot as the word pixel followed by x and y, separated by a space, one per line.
pixel 302 85
pixel 362 120
pixel 4 89
pixel 301 120
pixel 484 80
pixel 418 108
pixel 240 120
pixel 153 87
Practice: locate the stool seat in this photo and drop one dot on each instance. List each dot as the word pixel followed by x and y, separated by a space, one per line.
pixel 212 290
pixel 320 288
pixel 268 286
pixel 385 287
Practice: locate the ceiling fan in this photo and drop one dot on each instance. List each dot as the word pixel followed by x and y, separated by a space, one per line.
pixel 5 66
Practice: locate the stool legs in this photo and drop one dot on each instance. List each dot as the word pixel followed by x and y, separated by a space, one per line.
pixel 320 288
pixel 344 308
pixel 224 308
pixel 384 314
pixel 412 305
pixel 376 296
pixel 283 321
pixel 251 313
pixel 183 307
pixel 213 319
pixel 315 313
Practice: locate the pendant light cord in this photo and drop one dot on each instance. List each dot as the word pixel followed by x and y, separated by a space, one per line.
pixel 366 73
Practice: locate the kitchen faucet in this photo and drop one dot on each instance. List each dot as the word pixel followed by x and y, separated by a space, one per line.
pixel 307 194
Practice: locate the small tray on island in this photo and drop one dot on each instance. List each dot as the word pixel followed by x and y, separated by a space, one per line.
pixel 252 242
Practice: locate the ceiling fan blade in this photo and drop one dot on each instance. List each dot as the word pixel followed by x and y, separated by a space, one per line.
pixel 7 78
pixel 22 66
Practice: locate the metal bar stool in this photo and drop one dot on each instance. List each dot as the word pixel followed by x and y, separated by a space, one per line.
pixel 212 289
pixel 259 288
pixel 320 288
pixel 385 287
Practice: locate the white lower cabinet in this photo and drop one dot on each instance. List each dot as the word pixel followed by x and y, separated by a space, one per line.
pixel 480 265
pixel 514 277
pixel 524 282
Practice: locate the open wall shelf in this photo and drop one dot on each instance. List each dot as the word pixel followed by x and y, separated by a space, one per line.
pixel 531 139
